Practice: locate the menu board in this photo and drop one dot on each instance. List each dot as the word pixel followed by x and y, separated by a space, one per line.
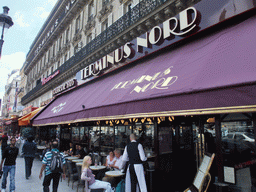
pixel 205 165
pixel 199 179
pixel 229 175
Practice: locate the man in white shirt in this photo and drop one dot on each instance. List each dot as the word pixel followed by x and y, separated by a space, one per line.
pixel 118 163
pixel 135 156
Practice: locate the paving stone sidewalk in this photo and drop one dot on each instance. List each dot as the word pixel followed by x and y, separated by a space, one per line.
pixel 34 184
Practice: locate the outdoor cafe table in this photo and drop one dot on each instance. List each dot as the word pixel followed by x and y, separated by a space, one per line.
pixel 77 160
pixel 97 168
pixel 114 173
pixel 41 147
pixel 71 158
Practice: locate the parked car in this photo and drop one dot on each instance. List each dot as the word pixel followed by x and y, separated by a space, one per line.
pixel 240 136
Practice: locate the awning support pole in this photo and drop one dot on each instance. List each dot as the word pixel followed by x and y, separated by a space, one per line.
pixel 219 156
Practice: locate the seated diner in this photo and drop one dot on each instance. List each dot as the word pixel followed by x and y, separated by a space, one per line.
pixel 90 178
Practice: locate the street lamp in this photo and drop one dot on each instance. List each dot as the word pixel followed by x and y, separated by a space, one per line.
pixel 5 22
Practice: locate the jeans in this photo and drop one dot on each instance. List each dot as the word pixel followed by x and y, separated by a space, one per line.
pixel 6 170
pixel 28 165
pixel 47 180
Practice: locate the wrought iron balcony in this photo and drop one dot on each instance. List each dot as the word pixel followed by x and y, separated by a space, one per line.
pixel 136 14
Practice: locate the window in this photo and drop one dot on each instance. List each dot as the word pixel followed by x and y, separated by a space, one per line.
pixel 67 35
pixel 60 41
pixel 128 6
pixel 65 58
pixel 53 50
pixel 49 55
pixel 78 24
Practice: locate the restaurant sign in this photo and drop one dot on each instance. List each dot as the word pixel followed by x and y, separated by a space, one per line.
pixel 65 86
pixel 47 79
pixel 187 22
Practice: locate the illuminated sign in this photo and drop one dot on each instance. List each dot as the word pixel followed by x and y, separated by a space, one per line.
pixel 45 80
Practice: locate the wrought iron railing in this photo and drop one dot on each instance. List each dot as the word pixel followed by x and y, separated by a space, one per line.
pixel 137 13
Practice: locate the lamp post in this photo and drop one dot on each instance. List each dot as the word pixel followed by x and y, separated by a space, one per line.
pixel 5 22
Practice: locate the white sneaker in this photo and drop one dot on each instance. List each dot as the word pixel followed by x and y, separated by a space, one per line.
pixel 3 190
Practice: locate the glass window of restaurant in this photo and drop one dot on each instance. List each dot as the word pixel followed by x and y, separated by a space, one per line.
pixel 237 148
pixel 105 138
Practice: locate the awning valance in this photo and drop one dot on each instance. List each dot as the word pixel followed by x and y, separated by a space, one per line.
pixel 213 74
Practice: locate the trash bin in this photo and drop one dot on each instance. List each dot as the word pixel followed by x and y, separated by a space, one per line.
pixel 221 187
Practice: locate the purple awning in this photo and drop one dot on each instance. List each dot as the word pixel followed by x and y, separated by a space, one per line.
pixel 217 72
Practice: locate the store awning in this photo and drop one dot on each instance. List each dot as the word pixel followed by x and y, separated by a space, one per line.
pixel 25 120
pixel 216 74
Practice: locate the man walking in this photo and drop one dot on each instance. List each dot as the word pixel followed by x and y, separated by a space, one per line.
pixel 29 150
pixel 9 159
pixel 49 175
pixel 135 156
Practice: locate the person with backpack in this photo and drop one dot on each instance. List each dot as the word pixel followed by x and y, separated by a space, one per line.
pixel 29 152
pixel 54 165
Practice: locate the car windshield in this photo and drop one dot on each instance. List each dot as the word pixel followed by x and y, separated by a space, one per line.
pixel 250 135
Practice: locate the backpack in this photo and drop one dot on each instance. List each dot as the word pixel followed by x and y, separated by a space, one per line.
pixel 56 165
pixel 120 186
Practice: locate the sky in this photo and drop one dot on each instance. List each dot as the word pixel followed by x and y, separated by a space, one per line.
pixel 28 17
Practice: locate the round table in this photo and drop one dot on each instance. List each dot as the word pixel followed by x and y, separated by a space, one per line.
pixel 97 168
pixel 77 160
pixel 71 158
pixel 41 147
pixel 79 164
pixel 114 173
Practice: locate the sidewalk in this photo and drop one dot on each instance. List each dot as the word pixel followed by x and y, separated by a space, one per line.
pixel 34 184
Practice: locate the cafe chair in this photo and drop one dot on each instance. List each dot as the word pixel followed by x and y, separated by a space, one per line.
pixel 72 175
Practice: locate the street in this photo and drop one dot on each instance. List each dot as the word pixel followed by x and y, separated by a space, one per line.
pixel 34 184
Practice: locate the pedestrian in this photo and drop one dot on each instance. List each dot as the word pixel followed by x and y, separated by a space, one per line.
pixel 135 155
pixel 4 140
pixel 29 152
pixel 9 159
pixel 49 175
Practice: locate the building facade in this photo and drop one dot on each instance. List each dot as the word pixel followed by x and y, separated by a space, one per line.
pixel 78 33
pixel 11 102
pixel 179 74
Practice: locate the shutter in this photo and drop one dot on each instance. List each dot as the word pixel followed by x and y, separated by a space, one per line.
pixel 93 33
pixel 86 15
pixel 120 11
pixel 99 29
pixel 95 6
pixel 110 19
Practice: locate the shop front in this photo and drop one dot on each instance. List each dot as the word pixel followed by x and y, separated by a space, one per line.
pixel 192 97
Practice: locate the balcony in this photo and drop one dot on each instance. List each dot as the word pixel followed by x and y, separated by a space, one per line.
pixel 134 16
